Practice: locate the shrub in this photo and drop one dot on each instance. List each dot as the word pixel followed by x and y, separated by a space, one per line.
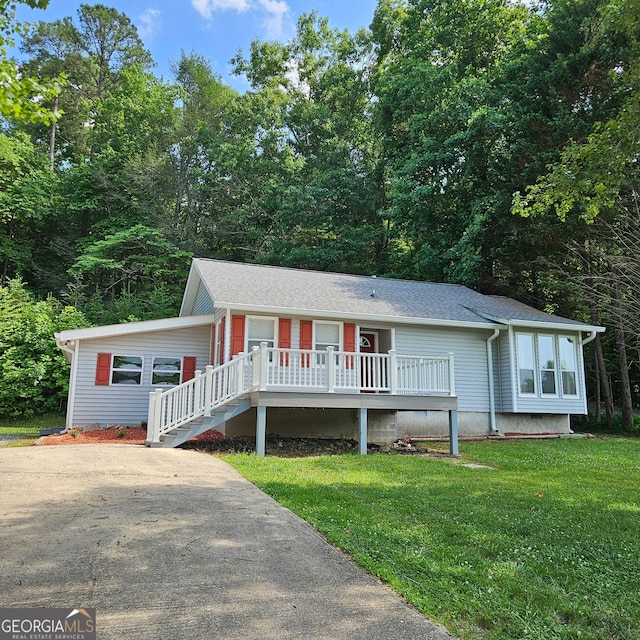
pixel 34 372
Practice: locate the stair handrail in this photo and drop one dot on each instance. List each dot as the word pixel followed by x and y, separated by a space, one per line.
pixel 198 397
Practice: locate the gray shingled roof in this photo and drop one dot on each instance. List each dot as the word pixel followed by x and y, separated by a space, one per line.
pixel 233 284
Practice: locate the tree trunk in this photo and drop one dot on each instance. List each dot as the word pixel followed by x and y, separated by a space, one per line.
pixel 52 138
pixel 623 363
pixel 604 386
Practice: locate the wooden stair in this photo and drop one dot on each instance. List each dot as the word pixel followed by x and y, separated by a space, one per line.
pixel 216 421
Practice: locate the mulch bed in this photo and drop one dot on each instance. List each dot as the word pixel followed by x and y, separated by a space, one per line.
pixel 115 435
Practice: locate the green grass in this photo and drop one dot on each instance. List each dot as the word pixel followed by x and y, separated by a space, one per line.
pixel 20 426
pixel 543 545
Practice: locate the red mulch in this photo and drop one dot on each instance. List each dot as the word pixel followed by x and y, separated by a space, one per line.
pixel 132 435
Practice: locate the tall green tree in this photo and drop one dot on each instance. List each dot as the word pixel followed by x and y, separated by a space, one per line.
pixel 596 179
pixel 92 53
pixel 315 156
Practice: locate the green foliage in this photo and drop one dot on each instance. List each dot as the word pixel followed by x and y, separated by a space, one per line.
pixel 511 550
pixel 134 273
pixel 22 96
pixel 34 371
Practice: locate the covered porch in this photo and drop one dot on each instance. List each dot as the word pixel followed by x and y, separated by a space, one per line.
pixel 295 378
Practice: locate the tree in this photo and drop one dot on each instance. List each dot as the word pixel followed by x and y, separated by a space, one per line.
pixel 315 153
pixel 134 273
pixel 596 179
pixel 23 97
pixel 34 371
pixel 92 54
pixel 29 219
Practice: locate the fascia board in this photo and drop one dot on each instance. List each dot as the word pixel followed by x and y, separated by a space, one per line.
pixel 129 328
pixel 356 317
pixel 191 289
pixel 554 326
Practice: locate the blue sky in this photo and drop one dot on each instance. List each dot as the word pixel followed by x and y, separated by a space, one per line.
pixel 215 29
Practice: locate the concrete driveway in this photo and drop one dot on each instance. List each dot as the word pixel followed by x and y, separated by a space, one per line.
pixel 169 544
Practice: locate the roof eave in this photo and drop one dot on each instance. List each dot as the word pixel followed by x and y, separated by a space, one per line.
pixel 128 328
pixel 556 326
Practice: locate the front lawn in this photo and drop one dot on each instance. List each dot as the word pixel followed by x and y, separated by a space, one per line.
pixel 30 426
pixel 544 544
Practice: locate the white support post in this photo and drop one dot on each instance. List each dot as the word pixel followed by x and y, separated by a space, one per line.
pixel 256 361
pixel 208 390
pixel 393 372
pixel 453 432
pixel 261 431
pixel 153 423
pixel 331 370
pixel 452 378
pixel 239 381
pixel 362 428
pixel 264 366
pixel 194 408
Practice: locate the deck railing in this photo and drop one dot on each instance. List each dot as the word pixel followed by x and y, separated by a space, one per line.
pixel 272 369
pixel 197 397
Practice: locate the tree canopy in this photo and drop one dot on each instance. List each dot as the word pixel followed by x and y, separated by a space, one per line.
pixel 490 143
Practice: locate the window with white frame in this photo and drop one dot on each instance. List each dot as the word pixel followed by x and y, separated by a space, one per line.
pixel 166 371
pixel 547 365
pixel 526 363
pixel 260 330
pixel 327 334
pixel 567 351
pixel 126 370
pixel 547 360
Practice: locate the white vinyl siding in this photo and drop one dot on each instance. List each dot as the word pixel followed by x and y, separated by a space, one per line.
pixel 505 359
pixel 470 359
pixel 124 403
pixel 203 304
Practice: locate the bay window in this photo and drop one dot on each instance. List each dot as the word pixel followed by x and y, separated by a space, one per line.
pixel 547 365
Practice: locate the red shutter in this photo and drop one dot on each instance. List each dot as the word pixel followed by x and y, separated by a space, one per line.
pixel 349 340
pixel 188 368
pixel 284 338
pixel 306 339
pixel 103 369
pixel 223 337
pixel 237 334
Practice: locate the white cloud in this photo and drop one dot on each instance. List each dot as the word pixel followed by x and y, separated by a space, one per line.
pixel 206 8
pixel 149 23
pixel 278 11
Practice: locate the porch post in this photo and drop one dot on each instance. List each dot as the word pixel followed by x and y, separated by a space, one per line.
pixel 453 432
pixel 264 364
pixel 362 428
pixel 393 372
pixel 452 377
pixel 331 370
pixel 261 430
pixel 208 390
pixel 154 417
